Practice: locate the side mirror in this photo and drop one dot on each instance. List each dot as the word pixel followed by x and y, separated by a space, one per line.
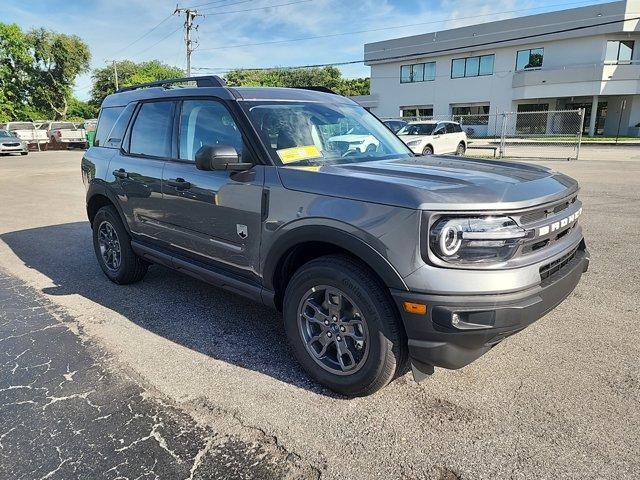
pixel 220 157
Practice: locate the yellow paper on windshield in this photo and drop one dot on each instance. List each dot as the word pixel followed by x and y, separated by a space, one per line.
pixel 289 155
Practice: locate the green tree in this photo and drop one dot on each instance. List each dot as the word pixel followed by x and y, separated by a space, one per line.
pixel 79 109
pixel 328 77
pixel 59 59
pixel 129 73
pixel 354 86
pixel 37 72
pixel 15 72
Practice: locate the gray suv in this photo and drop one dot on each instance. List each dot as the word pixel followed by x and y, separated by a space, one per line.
pixel 378 259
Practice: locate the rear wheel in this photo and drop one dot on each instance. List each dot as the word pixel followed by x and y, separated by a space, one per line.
pixel 112 245
pixel 428 150
pixel 343 326
pixel 461 149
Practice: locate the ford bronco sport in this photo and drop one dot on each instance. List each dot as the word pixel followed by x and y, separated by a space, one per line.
pixel 378 259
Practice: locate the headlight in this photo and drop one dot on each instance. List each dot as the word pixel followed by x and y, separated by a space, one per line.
pixel 473 240
pixel 414 143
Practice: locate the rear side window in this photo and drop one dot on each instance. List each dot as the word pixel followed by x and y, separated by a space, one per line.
pixel 114 139
pixel 151 131
pixel 108 117
pixel 451 128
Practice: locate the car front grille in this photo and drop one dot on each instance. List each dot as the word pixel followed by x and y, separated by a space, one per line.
pixel 549 269
pixel 10 144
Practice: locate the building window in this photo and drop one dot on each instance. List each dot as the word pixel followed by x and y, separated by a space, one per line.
pixel 619 51
pixel 418 72
pixel 471 114
pixel 532 58
pixel 472 66
pixel 420 111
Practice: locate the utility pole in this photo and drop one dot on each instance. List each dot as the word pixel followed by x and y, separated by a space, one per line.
pixel 190 16
pixel 115 73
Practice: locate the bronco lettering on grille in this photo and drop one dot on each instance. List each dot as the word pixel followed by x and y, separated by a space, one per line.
pixel 555 226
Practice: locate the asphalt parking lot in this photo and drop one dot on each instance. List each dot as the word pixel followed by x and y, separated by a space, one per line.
pixel 200 383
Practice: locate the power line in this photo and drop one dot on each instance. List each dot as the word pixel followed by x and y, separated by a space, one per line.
pixel 444 50
pixel 156 43
pixel 143 35
pixel 356 32
pixel 219 2
pixel 256 8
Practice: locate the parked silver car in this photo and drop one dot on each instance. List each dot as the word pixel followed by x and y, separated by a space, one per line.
pixel 11 143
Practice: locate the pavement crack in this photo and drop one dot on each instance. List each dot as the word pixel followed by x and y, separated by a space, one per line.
pixel 197 460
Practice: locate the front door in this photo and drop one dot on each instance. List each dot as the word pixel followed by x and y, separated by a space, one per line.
pixel 212 216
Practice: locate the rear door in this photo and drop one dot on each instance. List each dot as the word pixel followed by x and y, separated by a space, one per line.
pixel 452 137
pixel 135 173
pixel 212 216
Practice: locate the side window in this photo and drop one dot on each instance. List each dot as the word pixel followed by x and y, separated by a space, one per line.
pixel 151 131
pixel 451 128
pixel 108 117
pixel 206 122
pixel 114 139
pixel 457 128
pixel 440 129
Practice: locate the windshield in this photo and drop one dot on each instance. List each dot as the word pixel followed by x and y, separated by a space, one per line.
pixel 307 133
pixel 21 126
pixel 5 134
pixel 418 129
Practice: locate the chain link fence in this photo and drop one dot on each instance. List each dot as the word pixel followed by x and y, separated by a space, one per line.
pixel 549 134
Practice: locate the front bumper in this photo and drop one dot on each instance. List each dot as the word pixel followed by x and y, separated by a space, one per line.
pixel 19 149
pixel 483 321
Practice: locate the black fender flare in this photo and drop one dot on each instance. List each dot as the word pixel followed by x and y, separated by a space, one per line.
pixel 335 236
pixel 97 187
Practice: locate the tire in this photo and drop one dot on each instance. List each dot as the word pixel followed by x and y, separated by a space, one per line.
pixel 428 150
pixel 129 268
pixel 461 149
pixel 24 153
pixel 371 316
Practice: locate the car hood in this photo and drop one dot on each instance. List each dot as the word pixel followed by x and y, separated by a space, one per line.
pixel 434 183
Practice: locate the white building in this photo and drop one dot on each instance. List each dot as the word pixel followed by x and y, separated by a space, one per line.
pixel 587 57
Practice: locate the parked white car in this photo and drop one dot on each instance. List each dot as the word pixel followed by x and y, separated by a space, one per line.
pixel 356 141
pixel 65 133
pixel 27 132
pixel 434 137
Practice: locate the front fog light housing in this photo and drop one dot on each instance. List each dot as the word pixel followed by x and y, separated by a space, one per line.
pixel 475 240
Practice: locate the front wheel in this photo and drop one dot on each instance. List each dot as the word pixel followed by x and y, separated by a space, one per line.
pixel 461 149
pixel 112 245
pixel 343 327
pixel 428 150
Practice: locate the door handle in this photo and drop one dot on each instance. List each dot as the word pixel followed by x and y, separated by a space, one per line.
pixel 179 184
pixel 121 173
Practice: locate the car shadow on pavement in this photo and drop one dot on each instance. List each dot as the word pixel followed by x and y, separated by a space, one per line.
pixel 189 312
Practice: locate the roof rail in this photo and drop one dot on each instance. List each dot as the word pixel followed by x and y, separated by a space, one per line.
pixel 318 89
pixel 203 81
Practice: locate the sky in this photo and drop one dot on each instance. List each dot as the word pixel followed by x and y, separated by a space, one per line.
pixel 230 29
